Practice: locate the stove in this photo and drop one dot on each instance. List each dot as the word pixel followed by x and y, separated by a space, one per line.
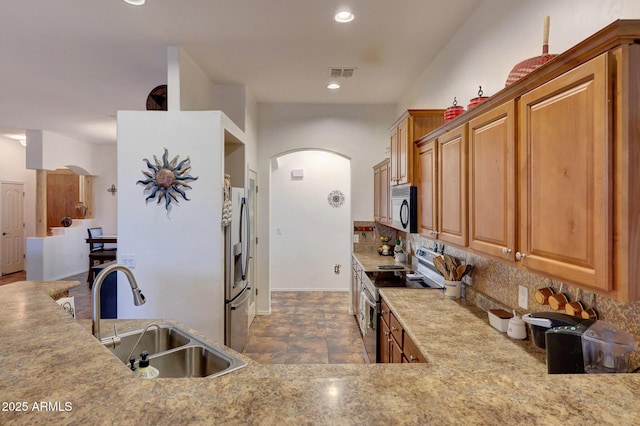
pixel 368 311
pixel 425 268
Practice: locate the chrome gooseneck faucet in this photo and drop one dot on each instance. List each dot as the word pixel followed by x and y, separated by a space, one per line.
pixel 138 297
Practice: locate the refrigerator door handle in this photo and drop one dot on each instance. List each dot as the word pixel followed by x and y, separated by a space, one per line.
pixel 244 222
pixel 240 299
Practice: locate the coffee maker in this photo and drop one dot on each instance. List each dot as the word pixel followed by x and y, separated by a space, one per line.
pixel 576 345
pixel 564 348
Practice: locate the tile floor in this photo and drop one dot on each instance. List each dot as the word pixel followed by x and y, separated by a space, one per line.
pixel 308 327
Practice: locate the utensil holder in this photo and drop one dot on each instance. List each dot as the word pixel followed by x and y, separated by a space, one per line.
pixel 452 289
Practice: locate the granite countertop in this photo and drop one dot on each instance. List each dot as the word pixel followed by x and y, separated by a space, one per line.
pixel 457 336
pixel 55 372
pixel 370 262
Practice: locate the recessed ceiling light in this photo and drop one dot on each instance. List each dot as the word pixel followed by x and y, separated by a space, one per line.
pixel 135 2
pixel 344 16
pixel 333 86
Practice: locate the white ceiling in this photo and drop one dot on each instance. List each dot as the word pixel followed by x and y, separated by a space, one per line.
pixel 68 65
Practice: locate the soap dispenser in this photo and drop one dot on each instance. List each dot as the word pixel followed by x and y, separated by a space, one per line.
pixel 516 329
pixel 145 370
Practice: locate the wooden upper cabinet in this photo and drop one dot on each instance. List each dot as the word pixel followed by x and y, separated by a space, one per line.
pixel 492 182
pixel 381 192
pixel 394 136
pixel 565 176
pixel 400 175
pixel 452 186
pixel 426 179
pixel 376 193
pixel 410 127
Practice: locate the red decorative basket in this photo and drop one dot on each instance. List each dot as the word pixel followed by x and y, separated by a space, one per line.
pixel 477 101
pixel 525 67
pixel 453 111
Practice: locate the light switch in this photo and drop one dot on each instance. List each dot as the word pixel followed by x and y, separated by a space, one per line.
pixel 128 260
pixel 356 238
pixel 523 297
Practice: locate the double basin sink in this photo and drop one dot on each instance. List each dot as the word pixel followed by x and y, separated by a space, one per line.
pixel 176 353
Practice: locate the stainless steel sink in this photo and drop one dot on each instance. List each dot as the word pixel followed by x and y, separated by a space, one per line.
pixel 192 361
pixel 155 340
pixel 175 352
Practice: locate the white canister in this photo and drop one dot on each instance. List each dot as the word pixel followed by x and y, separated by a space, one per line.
pixel 452 289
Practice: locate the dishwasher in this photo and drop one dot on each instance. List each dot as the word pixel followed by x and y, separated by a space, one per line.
pixel 368 322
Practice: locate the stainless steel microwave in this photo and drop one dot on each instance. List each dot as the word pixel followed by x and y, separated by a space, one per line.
pixel 404 208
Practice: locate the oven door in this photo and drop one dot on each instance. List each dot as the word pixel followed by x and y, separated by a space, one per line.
pixel 369 324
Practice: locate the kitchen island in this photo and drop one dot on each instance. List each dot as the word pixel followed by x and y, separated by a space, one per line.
pixel 55 372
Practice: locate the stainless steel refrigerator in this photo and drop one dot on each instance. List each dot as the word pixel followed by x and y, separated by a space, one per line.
pixel 237 291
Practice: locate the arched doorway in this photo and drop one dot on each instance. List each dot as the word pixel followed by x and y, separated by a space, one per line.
pixel 310 235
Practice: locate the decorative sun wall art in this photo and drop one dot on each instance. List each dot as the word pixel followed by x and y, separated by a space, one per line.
pixel 167 179
pixel 335 198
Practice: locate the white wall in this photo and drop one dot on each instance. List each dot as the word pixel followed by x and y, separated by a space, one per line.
pixel 105 205
pixel 309 236
pixel 178 254
pixel 63 254
pixel 196 89
pixel 51 151
pixel 501 33
pixel 359 132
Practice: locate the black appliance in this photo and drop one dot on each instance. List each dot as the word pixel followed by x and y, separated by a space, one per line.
pixel 561 335
pixel 564 348
pixel 540 322
pixel 404 208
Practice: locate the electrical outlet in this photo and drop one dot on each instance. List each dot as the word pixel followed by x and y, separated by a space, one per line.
pixel 523 297
pixel 128 260
pixel 356 238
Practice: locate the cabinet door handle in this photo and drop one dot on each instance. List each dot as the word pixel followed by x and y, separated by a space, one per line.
pixel 393 329
pixel 383 312
pixel 520 256
pixel 412 358
pixel 506 250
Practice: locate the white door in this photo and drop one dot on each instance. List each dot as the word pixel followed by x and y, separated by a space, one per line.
pixel 12 221
pixel 252 197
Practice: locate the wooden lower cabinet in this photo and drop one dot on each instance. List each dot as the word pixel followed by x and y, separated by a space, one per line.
pixel 394 344
pixel 411 354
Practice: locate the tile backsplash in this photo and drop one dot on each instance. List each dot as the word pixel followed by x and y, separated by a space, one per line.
pixel 493 284
pixel 370 239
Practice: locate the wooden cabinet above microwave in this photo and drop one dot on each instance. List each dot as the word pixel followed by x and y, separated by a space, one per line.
pixel 411 126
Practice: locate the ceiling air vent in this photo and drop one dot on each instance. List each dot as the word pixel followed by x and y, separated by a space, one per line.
pixel 342 72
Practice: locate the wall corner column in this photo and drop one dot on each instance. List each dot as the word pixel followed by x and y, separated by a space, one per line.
pixel 41 203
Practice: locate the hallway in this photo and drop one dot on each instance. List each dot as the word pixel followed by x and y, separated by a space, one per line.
pixel 306 327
